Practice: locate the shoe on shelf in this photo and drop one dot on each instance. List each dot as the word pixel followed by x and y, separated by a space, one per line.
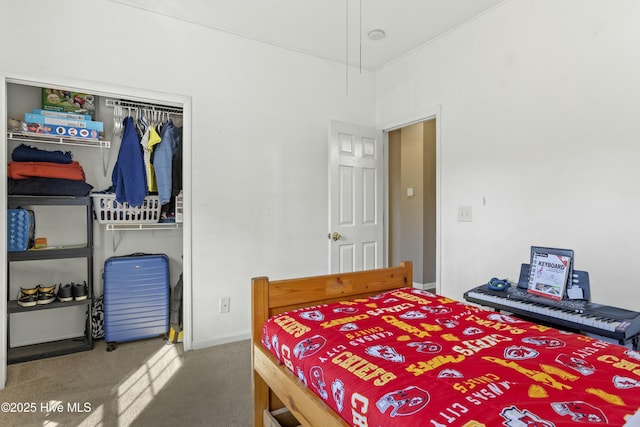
pixel 43 289
pixel 46 294
pixel 28 291
pixel 65 292
pixel 80 291
pixel 28 297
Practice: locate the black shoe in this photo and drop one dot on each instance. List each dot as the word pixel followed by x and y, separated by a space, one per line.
pixel 28 291
pixel 80 291
pixel 28 297
pixel 65 293
pixel 46 294
pixel 28 300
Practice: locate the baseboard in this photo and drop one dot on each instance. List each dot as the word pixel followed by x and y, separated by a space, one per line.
pixel 431 287
pixel 197 345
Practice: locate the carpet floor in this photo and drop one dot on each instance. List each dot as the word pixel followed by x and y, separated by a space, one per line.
pixel 141 383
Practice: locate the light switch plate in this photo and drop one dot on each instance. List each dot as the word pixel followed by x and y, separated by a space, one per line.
pixel 464 213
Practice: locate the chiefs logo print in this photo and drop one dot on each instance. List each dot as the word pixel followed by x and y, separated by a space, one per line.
pixel 316 375
pixel 349 327
pixel 309 346
pixel 347 310
pixel 385 352
pixel 338 392
pixel 413 314
pixel 439 309
pixel 575 363
pixel 312 315
pixel 546 342
pixel 426 347
pixel 581 412
pixel 520 352
pixel 514 417
pixel 447 323
pixel 625 382
pixel 503 318
pixel 404 402
pixel 450 373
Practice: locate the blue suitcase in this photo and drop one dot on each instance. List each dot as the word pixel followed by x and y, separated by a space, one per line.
pixel 136 297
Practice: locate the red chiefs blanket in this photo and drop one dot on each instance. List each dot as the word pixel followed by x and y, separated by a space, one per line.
pixel 413 358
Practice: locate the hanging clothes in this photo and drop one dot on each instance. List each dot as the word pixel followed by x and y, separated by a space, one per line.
pixel 154 139
pixel 176 182
pixel 129 177
pixel 163 160
pixel 146 155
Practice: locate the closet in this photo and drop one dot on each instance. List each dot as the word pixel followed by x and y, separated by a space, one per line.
pixel 86 222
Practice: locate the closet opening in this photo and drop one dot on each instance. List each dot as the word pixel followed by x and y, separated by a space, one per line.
pixel 163 226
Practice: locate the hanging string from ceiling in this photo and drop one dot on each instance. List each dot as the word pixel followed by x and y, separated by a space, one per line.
pixel 346 47
pixel 360 31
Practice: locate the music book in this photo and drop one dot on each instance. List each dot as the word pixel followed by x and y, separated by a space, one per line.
pixel 550 271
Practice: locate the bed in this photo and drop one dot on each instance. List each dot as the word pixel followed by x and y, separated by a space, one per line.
pixel 366 349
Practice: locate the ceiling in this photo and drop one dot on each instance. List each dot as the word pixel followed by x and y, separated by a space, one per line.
pixel 330 29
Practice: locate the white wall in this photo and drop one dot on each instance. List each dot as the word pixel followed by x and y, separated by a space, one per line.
pixel 540 104
pixel 538 118
pixel 259 133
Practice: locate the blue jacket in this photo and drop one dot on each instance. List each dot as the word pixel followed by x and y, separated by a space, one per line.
pixel 129 176
pixel 163 160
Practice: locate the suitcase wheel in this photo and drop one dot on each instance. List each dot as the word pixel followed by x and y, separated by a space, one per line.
pixel 111 346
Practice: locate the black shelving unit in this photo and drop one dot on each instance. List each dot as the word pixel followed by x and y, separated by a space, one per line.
pixel 57 347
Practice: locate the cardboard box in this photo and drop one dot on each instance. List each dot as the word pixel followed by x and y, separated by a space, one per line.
pixel 56 121
pixel 67 101
pixel 60 130
pixel 62 114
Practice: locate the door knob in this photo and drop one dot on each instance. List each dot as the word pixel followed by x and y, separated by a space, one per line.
pixel 335 236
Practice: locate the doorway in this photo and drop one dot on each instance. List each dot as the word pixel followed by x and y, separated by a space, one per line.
pixel 412 199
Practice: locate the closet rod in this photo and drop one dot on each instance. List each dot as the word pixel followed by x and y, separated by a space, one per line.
pixel 131 104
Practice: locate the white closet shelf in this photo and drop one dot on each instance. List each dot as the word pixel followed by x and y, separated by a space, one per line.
pixel 53 139
pixel 155 226
pixel 138 227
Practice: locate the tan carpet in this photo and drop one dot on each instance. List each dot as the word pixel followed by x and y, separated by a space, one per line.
pixel 141 383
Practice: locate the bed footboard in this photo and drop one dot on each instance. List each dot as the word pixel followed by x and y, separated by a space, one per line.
pixel 273 385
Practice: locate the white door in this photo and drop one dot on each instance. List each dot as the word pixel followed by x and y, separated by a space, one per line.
pixel 355 198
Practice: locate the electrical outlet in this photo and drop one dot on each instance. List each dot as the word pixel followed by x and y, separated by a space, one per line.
pixel 224 304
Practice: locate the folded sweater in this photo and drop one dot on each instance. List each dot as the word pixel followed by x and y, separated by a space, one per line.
pixel 25 153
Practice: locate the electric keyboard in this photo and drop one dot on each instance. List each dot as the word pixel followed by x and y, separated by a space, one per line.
pixel 576 315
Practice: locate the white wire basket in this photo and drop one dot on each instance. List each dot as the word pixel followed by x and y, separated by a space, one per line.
pixel 108 211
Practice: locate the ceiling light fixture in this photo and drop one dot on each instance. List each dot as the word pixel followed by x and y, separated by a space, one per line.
pixel 376 34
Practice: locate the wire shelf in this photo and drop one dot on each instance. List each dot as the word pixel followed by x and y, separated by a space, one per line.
pixel 53 139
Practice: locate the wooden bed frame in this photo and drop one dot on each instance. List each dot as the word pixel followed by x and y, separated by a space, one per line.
pixel 274 386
